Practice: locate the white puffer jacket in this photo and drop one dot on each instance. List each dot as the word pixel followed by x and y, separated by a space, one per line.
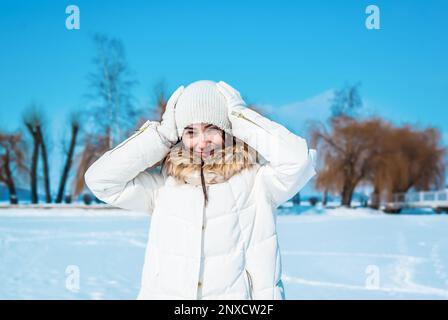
pixel 227 250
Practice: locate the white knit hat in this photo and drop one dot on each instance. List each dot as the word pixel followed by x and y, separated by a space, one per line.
pixel 201 101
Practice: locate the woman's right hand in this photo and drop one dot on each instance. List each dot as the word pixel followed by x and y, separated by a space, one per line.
pixel 168 124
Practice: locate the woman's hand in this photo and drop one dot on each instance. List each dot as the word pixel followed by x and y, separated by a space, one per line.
pixel 168 124
pixel 234 101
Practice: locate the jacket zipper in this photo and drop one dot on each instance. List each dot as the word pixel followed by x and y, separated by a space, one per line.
pixel 242 116
pixel 137 132
pixel 249 278
pixel 199 291
pixel 126 141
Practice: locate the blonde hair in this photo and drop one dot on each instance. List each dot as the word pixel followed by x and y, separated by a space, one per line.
pixel 229 160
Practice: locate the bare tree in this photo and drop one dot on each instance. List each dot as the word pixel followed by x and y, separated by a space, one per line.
pixel 12 161
pixel 113 112
pixel 409 158
pixel 113 107
pixel 32 120
pixel 374 152
pixel 74 124
pixel 94 147
pixel 46 172
pixel 347 151
pixel 346 101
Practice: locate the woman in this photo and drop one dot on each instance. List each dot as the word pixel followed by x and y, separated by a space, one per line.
pixel 225 169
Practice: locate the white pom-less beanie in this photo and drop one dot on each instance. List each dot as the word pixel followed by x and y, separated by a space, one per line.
pixel 201 101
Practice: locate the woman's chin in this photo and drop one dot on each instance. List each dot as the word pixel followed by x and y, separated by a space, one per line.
pixel 200 155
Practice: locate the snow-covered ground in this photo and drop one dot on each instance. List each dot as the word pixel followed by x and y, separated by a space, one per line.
pixel 327 254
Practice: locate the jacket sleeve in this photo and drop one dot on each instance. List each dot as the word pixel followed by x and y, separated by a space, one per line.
pixel 290 165
pixel 119 178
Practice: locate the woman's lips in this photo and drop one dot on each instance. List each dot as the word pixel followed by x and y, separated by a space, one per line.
pixel 203 153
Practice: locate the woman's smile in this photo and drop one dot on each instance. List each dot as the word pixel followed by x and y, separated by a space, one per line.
pixel 204 153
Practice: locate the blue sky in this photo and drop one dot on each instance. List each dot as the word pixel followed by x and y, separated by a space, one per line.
pixel 284 55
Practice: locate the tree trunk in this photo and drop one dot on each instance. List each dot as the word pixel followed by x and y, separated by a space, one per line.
pixel 68 164
pixel 350 196
pixel 11 186
pixel 109 137
pixel 347 193
pixel 33 171
pixel 375 204
pixel 45 165
pixel 325 198
pixel 9 180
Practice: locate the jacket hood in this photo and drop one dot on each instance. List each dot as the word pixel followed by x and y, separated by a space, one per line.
pixel 185 166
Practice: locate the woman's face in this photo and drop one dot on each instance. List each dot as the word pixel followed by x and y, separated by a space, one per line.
pixel 203 139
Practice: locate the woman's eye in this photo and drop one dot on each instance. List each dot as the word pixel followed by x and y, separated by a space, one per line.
pixel 212 130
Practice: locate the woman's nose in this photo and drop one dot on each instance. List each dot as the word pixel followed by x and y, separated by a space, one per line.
pixel 202 144
pixel 203 141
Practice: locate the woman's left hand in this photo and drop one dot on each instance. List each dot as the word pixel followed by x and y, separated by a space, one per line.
pixel 233 97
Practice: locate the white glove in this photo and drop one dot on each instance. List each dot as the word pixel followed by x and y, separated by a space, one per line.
pixel 168 126
pixel 234 101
